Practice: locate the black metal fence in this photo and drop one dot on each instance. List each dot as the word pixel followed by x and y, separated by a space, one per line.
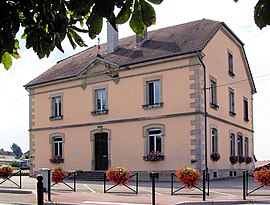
pixel 246 188
pixel 204 189
pixel 9 178
pixel 69 175
pixel 136 176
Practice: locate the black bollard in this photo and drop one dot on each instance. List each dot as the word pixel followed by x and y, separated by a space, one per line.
pixel 244 185
pixel 204 185
pixel 40 190
pixel 154 175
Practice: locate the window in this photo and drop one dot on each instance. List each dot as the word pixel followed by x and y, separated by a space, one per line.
pixel 58 146
pixel 100 101
pixel 246 109
pixel 213 94
pixel 214 140
pixel 231 103
pixel 230 64
pixel 154 141
pixel 56 112
pixel 232 144
pixel 246 147
pixel 153 97
pixel 240 145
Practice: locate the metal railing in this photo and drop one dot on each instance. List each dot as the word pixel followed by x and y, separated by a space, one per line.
pixel 8 178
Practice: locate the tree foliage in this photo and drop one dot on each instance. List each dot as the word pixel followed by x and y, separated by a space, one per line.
pixel 46 23
pixel 16 150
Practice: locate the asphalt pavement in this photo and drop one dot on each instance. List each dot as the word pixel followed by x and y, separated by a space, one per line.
pixel 223 191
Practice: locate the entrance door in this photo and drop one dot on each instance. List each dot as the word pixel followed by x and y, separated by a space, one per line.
pixel 101 151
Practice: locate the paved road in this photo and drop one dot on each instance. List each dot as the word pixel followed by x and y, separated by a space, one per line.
pixel 88 192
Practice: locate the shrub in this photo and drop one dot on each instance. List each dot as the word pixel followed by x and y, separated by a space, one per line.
pixel 262 176
pixel 58 175
pixel 188 177
pixel 118 175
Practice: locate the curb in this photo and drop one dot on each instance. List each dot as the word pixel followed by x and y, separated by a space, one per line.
pixel 16 191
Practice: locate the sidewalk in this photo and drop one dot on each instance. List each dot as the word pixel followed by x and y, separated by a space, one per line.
pixel 226 191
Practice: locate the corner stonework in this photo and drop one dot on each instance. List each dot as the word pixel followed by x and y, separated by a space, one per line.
pixel 197 124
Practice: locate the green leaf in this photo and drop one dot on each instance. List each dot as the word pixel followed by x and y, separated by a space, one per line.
pixel 69 35
pixel 155 1
pixel 124 13
pixel 262 13
pixel 7 60
pixel 94 23
pixel 148 13
pixel 136 22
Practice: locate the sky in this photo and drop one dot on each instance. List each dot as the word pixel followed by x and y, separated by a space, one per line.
pixel 14 121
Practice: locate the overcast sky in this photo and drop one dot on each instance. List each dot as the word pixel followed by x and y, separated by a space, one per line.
pixel 238 16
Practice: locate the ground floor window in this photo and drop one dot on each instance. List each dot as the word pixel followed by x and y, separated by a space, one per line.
pixel 57 148
pixel 154 141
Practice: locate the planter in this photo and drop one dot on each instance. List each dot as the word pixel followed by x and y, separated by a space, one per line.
pixel 248 160
pixel 188 177
pixel 58 175
pixel 154 156
pixel 215 156
pixel 241 159
pixel 5 171
pixel 56 160
pixel 233 159
pixel 262 177
pixel 118 175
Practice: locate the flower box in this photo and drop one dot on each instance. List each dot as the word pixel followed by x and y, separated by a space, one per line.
pixel 233 159
pixel 262 177
pixel 241 159
pixel 154 156
pixel 58 175
pixel 248 160
pixel 188 177
pixel 56 160
pixel 118 175
pixel 215 156
pixel 5 171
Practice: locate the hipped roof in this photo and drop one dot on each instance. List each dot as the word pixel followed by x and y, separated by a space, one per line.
pixel 167 42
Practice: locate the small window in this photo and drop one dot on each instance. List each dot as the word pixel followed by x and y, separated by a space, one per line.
pixel 240 145
pixel 153 94
pixel 235 173
pixel 232 144
pixel 214 140
pixel 213 94
pixel 56 112
pixel 230 64
pixel 154 141
pixel 58 146
pixel 100 96
pixel 246 147
pixel 231 173
pixel 215 174
pixel 246 109
pixel 231 103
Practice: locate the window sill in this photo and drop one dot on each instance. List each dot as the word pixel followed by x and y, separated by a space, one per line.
pixel 156 105
pixel 231 74
pixel 246 119
pixel 232 114
pixel 99 112
pixel 56 117
pixel 214 106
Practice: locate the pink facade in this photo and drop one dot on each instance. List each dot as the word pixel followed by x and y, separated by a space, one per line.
pixel 110 115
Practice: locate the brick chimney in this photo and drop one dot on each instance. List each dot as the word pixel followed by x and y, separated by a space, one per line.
pixel 141 40
pixel 112 38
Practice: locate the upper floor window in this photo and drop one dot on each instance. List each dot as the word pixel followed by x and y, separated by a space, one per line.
pixel 230 64
pixel 232 144
pixel 231 103
pixel 213 94
pixel 56 112
pixel 153 97
pixel 240 145
pixel 246 147
pixel 246 109
pixel 100 101
pixel 214 140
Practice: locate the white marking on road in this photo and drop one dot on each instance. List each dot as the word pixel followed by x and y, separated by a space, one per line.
pixel 221 193
pixel 92 190
pixel 110 203
pixel 150 191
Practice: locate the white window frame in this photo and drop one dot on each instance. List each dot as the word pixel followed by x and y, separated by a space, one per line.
pixel 245 107
pixel 155 136
pixel 101 95
pixel 58 141
pixel 246 145
pixel 155 92
pixel 230 64
pixel 213 93
pixel 214 140
pixel 56 107
pixel 231 103
pixel 240 144
pixel 232 144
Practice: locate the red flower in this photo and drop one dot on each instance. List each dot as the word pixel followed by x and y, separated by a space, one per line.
pixel 262 176
pixel 118 175
pixel 5 171
pixel 58 175
pixel 188 177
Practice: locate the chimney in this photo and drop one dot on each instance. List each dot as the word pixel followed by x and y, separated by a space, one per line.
pixel 141 40
pixel 112 38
